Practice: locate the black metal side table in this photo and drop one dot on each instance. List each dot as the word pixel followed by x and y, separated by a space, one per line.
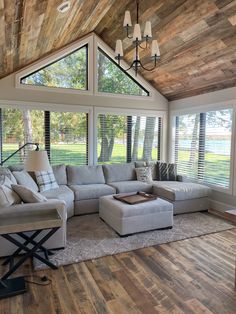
pixel 28 232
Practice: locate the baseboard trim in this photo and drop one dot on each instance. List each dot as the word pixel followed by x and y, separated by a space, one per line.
pixel 220 206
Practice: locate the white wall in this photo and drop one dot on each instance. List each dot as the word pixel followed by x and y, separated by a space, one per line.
pixel 224 98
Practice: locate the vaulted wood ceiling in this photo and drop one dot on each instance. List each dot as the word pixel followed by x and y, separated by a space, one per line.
pixel 197 37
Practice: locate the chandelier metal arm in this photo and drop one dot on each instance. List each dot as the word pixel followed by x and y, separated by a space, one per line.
pixel 149 70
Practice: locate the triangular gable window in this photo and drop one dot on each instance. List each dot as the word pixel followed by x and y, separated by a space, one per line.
pixel 113 79
pixel 70 71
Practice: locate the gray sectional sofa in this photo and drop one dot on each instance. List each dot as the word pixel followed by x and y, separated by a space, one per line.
pixel 80 188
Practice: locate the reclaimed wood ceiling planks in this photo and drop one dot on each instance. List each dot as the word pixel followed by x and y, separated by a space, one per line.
pixel 197 37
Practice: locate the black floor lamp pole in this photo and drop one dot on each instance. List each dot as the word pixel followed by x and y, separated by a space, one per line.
pixel 17 151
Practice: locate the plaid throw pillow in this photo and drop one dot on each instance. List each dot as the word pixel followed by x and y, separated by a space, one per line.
pixel 166 171
pixel 46 180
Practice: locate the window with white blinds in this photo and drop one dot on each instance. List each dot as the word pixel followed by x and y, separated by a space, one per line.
pixel 17 128
pixel 218 147
pixel 68 138
pixel 203 146
pixel 62 134
pixel 124 138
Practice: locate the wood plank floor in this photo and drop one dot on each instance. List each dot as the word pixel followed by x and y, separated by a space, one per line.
pixel 190 276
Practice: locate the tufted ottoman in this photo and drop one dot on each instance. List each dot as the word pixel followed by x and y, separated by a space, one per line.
pixel 126 219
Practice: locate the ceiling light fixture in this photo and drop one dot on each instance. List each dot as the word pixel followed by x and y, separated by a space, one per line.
pixel 64 7
pixel 137 40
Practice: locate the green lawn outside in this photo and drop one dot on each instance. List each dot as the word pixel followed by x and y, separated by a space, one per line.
pixel 216 166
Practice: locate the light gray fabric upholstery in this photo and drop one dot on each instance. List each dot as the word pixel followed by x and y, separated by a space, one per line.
pixel 7 172
pixel 131 186
pixel 178 191
pixel 128 219
pixel 90 191
pixel 190 206
pixel 86 206
pixel 17 167
pixel 8 197
pixel 151 164
pixel 27 195
pixel 25 179
pixel 119 172
pixel 58 240
pixel 85 175
pixel 62 193
pixel 60 174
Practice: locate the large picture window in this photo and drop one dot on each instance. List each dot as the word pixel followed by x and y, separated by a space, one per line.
pixel 20 127
pixel 62 134
pixel 70 71
pixel 123 138
pixel 203 146
pixel 112 79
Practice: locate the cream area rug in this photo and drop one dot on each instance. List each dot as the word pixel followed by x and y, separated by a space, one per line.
pixel 88 237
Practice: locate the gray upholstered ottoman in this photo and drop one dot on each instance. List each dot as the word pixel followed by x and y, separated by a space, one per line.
pixel 127 219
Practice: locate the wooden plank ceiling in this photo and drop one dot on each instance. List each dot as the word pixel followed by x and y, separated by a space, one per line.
pixel 197 37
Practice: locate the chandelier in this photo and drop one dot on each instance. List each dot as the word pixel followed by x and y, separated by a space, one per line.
pixel 144 42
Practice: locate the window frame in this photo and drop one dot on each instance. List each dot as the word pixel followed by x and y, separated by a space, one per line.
pixel 128 112
pixel 37 66
pixel 55 61
pixel 197 110
pixel 99 49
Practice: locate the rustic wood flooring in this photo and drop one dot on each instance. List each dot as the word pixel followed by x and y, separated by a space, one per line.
pixel 190 276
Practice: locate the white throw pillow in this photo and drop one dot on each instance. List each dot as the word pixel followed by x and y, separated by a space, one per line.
pixel 144 174
pixel 7 172
pixel 8 197
pixel 25 179
pixel 46 180
pixel 28 195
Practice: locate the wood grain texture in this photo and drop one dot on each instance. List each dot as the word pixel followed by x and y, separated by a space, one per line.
pixel 193 276
pixel 197 37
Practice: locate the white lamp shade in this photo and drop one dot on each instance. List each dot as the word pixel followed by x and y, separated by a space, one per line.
pixel 127 19
pixel 119 48
pixel 148 30
pixel 37 161
pixel 155 49
pixel 137 33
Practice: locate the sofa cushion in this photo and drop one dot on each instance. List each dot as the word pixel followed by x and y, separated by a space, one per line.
pixel 46 180
pixel 28 195
pixel 179 191
pixel 91 191
pixel 7 172
pixel 85 175
pixel 151 164
pixel 24 178
pixel 131 186
pixel 62 193
pixel 120 172
pixel 60 174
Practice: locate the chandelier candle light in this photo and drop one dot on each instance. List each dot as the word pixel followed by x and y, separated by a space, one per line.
pixel 137 40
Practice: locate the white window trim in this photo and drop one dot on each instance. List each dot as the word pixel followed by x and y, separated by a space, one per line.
pixel 88 40
pixel 128 112
pixel 200 109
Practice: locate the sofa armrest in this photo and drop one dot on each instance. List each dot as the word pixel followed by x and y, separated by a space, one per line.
pixel 29 207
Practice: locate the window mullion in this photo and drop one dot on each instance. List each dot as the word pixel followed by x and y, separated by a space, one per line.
pixel 47 138
pixel 129 138
pixel 201 149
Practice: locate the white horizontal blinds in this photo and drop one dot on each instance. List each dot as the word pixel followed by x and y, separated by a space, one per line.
pixel 187 144
pixel 112 138
pixel 218 133
pixel 145 139
pixel 20 127
pixel 68 138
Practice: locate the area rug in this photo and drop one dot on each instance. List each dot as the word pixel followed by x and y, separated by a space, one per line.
pixel 88 237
